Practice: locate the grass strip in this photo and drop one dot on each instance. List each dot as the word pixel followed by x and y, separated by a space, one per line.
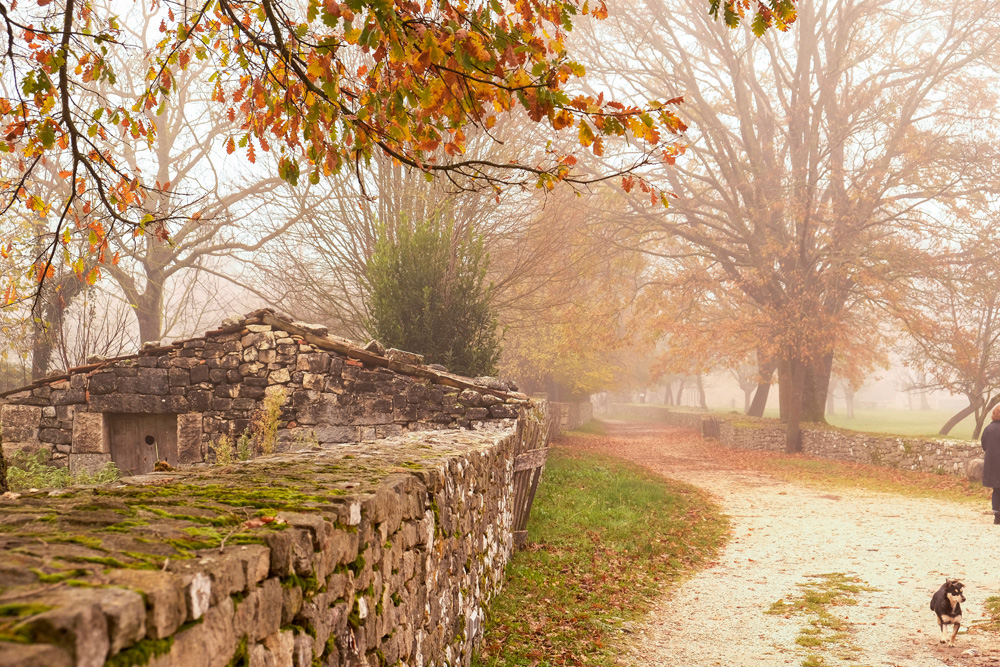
pixel 605 539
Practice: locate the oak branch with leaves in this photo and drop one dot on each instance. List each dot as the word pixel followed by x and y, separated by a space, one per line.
pixel 324 83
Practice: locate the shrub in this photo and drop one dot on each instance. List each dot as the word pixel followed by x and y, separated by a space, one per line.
pixel 264 427
pixel 225 450
pixel 32 470
pixel 427 293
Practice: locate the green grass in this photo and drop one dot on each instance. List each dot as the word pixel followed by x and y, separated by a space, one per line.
pixel 593 427
pixel 605 539
pixel 925 423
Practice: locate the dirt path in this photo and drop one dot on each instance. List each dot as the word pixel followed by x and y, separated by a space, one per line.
pixel 782 533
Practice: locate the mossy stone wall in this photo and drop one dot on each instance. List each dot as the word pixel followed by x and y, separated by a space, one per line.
pixel 380 553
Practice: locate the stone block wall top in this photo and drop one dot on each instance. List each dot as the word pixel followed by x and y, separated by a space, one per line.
pixel 336 391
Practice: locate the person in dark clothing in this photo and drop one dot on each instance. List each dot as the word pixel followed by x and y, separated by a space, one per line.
pixel 991 460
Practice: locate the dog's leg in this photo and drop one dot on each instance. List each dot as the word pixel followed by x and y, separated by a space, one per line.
pixel 954 632
pixel 944 633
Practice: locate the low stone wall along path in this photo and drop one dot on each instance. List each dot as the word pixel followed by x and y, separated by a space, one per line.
pixel 783 535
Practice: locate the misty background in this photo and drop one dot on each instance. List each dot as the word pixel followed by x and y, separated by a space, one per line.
pixel 837 197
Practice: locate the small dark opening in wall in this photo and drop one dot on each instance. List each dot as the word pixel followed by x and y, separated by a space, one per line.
pixel 150 440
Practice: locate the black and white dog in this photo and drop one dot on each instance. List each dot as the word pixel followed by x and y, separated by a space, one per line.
pixel 946 603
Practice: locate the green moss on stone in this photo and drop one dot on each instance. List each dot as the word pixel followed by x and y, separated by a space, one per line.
pixel 56 577
pixel 21 610
pixel 241 658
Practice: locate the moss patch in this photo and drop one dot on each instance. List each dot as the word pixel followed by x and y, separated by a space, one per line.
pixel 826 635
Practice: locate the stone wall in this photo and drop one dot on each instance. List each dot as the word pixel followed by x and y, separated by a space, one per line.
pixel 938 455
pixel 335 392
pixel 568 416
pixel 373 554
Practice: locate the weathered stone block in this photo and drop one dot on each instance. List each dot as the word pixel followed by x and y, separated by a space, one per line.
pixel 974 470
pixel 325 433
pixel 55 436
pixel 33 655
pixel 103 383
pixel 89 433
pixel 200 400
pixel 179 377
pixel 280 545
pixel 210 643
pixel 200 373
pixel 79 628
pixel 153 381
pixel 189 438
pixel 164 595
pixel 20 423
pixel 88 463
pixel 280 376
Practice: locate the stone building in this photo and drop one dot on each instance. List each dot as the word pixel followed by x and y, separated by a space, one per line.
pixel 176 402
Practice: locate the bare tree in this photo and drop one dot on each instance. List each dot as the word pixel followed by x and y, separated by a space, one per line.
pixel 813 156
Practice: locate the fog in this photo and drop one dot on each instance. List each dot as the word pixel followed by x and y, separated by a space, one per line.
pixel 829 235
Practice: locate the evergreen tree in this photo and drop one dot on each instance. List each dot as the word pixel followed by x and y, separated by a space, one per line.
pixel 427 293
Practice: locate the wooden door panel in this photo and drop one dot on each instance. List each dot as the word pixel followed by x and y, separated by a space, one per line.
pixel 137 439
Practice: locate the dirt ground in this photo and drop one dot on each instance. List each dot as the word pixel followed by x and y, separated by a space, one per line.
pixel 782 533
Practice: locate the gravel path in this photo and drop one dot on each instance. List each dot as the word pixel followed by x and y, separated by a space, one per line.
pixel 782 533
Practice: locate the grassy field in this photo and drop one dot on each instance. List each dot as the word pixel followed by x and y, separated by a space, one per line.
pixel 605 538
pixel 903 422
pixel 895 422
pixel 898 422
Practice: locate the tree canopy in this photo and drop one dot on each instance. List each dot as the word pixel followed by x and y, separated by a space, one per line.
pixel 325 85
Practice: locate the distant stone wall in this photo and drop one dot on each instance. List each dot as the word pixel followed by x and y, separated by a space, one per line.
pixel 336 392
pixel 568 416
pixel 356 555
pixel 939 455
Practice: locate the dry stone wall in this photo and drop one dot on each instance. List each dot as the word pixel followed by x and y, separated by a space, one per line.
pixel 937 455
pixel 568 416
pixel 335 392
pixel 372 554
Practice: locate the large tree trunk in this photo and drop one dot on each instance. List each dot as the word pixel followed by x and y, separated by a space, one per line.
pixel 796 400
pixel 784 390
pixel 49 318
pixel 816 386
pixel 703 403
pixel 149 313
pixel 766 374
pixel 668 395
pixel 981 416
pixel 747 398
pixel 42 342
pixel 958 417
